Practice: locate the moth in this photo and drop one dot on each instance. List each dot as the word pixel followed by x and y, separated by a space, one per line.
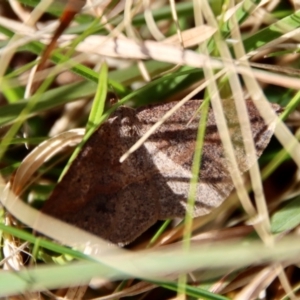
pixel 119 201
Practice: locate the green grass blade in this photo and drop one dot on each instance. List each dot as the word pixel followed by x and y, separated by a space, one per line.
pixel 287 218
pixel 99 100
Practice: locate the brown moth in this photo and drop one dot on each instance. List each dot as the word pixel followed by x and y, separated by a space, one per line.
pixel 119 201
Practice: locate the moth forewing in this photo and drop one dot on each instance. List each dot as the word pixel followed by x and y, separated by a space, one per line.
pixel 119 201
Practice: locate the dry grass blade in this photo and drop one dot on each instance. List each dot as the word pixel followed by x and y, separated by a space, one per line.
pixel 41 154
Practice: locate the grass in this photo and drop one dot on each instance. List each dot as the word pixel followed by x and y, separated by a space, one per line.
pixel 246 247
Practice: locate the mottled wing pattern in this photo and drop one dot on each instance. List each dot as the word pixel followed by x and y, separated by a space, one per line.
pixel 120 201
pixel 172 150
pixel 98 194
